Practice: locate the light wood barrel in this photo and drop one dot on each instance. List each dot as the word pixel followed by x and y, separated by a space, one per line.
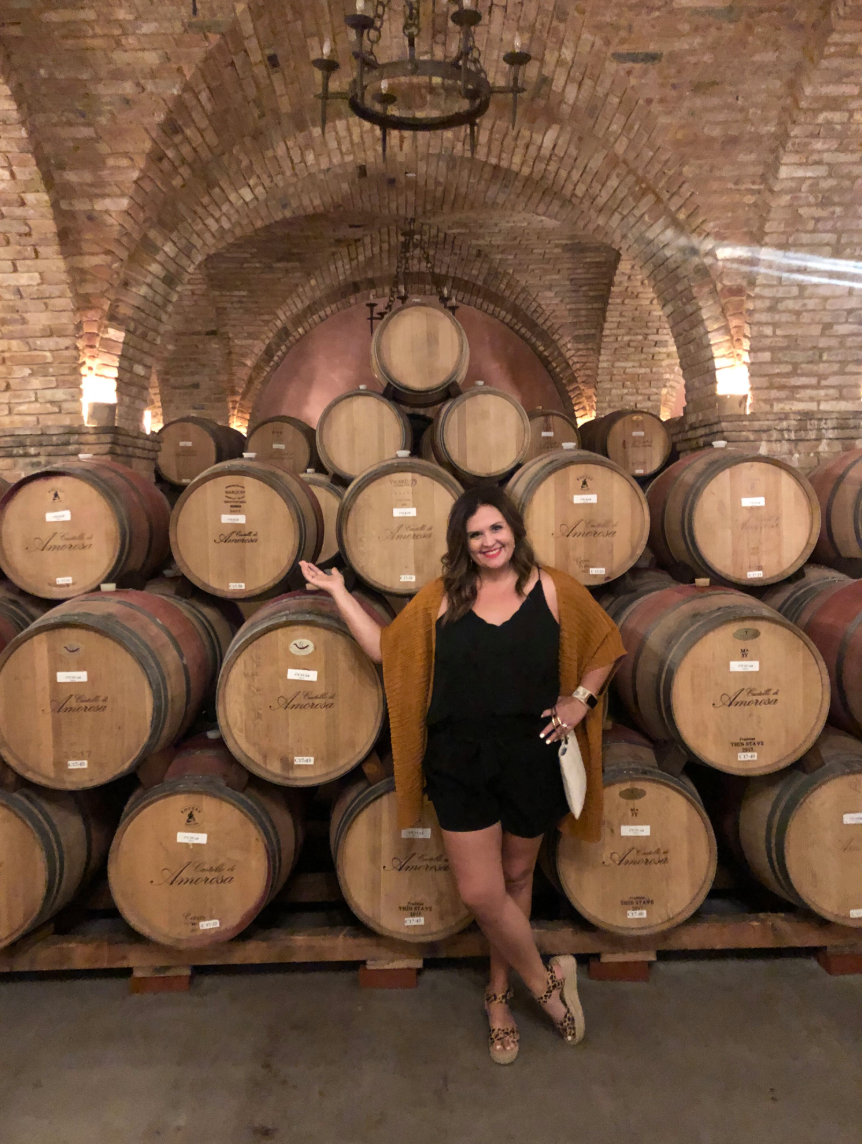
pixel 421 351
pixel 656 859
pixel 328 496
pixel 838 487
pixel 397 882
pixel 198 856
pixel 286 440
pixel 51 844
pixel 299 702
pixel 549 430
pixel 636 440
pixel 483 434
pixel 737 517
pixel 392 524
pixel 801 830
pixel 241 528
pixel 190 445
pixel 360 429
pixel 828 609
pixel 69 528
pixel 584 514
pixel 723 675
pixel 100 682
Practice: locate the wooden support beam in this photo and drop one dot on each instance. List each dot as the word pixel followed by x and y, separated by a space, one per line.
pixel 160 979
pixel 396 973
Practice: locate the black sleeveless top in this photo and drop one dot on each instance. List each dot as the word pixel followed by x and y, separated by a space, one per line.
pixel 484 673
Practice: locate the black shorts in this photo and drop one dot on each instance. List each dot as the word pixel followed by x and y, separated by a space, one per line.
pixel 476 780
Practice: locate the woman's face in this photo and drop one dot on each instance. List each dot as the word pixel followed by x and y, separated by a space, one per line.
pixel 489 538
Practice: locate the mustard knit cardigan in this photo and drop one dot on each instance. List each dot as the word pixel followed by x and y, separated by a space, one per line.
pixel 589 639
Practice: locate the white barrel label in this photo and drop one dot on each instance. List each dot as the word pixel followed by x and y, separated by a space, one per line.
pixel 61 580
pixel 854 819
pixel 755 575
pixel 597 572
pixel 236 587
pixel 414 921
pixel 404 512
pixel 303 760
pixel 639 831
pixel 233 518
pixel 585 498
pixel 747 756
pixel 637 432
pixel 407 579
pixel 301 673
pixel 416 832
pixel 276 445
pixel 185 444
pixel 81 765
pixel 71 677
pixel 64 515
pixel 214 923
pixel 856 913
pixel 635 913
pixel 754 502
pixel 745 665
pixel 192 839
pixel 547 432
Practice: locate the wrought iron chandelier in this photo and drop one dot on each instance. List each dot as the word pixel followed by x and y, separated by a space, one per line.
pixel 419 93
pixel 413 248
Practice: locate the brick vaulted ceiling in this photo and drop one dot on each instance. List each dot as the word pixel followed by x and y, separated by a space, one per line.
pixel 181 166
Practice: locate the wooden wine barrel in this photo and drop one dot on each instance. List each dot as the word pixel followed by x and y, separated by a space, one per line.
pixel 360 429
pixel 421 351
pixel 636 440
pixel 69 528
pixel 190 445
pixel 100 682
pixel 397 882
pixel 483 434
pixel 837 485
pixel 241 528
pixel 721 674
pixel 657 856
pixel 286 440
pixel 18 611
pixel 328 496
pixel 801 830
pixel 299 702
pixel 737 517
pixel 51 844
pixel 584 514
pixel 549 430
pixel 392 521
pixel 198 856
pixel 828 609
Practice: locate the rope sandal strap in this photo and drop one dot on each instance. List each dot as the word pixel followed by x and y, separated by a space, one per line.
pixel 498 998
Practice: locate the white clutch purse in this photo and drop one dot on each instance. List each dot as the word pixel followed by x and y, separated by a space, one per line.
pixel 574 773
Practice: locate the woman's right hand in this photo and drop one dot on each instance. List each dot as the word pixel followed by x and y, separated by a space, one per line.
pixel 331 582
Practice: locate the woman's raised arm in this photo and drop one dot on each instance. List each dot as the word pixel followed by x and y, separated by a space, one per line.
pixel 363 628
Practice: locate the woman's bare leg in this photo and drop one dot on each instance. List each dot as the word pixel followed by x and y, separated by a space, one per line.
pixel 476 859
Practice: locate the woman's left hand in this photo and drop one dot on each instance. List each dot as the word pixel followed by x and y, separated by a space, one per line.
pixel 570 712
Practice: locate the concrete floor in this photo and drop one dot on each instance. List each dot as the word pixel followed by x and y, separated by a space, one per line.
pixel 761 1051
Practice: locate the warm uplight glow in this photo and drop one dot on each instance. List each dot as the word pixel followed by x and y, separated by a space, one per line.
pixel 732 379
pixel 148 421
pixel 97 385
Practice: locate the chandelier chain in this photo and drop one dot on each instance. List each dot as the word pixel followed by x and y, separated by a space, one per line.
pixel 376 31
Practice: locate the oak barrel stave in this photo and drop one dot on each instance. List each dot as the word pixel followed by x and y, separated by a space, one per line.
pixel 397 883
pixel 735 517
pixel 69 528
pixel 838 486
pixel 99 683
pixel 483 434
pixel 584 514
pixel 550 429
pixel 327 713
pixel 241 528
pixel 657 857
pixel 722 675
pixel 801 830
pixel 421 352
pixel 197 856
pixel 328 496
pixel 635 440
pixel 190 445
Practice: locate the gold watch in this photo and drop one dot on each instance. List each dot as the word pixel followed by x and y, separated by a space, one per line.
pixel 585 696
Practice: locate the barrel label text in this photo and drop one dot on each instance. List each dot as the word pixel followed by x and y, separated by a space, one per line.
pixel 236 586
pixel 856 913
pixel 753 502
pixel 547 432
pixel 414 532
pixel 237 536
pixel 637 433
pixel 71 677
pixel 597 572
pixel 79 705
pixel 414 921
pixel 420 832
pixel 417 863
pixel 191 839
pixel 306 701
pixel 77 764
pixel 404 512
pixel 232 518
pixel 277 445
pixel 62 580
pixel 636 913
pixel 754 575
pixel 407 579
pixel 639 831
pixel 199 873
pixel 747 756
pixel 745 665
pixel 51 517
pixel 585 498
pixel 213 923
pixel 637 856
pixel 302 673
pixel 749 697
pixel 854 819
pixel 303 760
pixel 61 542
pixel 588 530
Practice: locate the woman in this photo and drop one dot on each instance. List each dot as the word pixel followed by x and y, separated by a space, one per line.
pixel 485 671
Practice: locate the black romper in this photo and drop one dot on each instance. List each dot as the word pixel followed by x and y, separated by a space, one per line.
pixel 485 762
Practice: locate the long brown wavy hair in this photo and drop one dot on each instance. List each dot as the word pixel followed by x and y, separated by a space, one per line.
pixel 460 573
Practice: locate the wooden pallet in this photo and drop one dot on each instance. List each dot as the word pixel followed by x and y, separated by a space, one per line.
pixel 333 936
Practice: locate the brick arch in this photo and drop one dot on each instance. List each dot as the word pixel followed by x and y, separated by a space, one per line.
pixel 240 148
pixel 40 378
pixel 806 304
